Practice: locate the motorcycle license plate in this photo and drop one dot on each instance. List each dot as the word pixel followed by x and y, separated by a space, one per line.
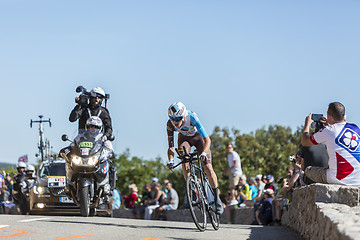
pixel 56 182
pixel 65 200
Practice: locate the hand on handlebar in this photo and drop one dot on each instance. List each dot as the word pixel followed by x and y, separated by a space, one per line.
pixel 170 164
pixel 203 156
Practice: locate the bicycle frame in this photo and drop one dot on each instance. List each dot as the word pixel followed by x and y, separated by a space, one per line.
pixel 191 159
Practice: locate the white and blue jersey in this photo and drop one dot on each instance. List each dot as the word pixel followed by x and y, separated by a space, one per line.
pixel 190 126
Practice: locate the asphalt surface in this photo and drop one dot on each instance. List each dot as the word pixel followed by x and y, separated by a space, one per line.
pixel 67 227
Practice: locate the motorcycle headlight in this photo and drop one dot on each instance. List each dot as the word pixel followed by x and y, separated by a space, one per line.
pixel 93 160
pixel 76 160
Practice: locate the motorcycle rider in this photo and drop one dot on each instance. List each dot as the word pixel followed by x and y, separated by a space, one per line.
pixel 29 171
pixel 29 176
pixel 93 131
pixel 94 108
pixel 19 189
pixel 93 127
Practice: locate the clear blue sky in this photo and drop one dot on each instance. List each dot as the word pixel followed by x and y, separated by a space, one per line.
pixel 242 64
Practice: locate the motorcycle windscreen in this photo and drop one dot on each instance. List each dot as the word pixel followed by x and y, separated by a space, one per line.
pixel 88 142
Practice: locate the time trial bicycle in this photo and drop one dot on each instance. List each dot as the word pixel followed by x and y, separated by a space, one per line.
pixel 199 192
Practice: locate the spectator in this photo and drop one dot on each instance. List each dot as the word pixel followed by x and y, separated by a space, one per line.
pixel 260 185
pixel 7 204
pixel 234 166
pixel 2 185
pixel 264 213
pixel 9 184
pixel 315 155
pixel 155 180
pixel 342 141
pixel 271 184
pixel 254 193
pixel 267 181
pixel 163 185
pixel 151 205
pixel 244 193
pixel 295 179
pixel 281 201
pixel 253 187
pixel 295 173
pixel 171 203
pixel 147 196
pixel 244 190
pixel 116 199
pixel 131 200
pixel 2 180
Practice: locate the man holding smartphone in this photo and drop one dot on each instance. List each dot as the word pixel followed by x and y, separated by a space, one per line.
pixel 342 140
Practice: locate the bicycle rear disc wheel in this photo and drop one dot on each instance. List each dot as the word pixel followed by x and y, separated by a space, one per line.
pixel 196 202
pixel 214 218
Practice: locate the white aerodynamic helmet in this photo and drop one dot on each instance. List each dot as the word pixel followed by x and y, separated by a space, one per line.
pixel 94 121
pixel 177 111
pixel 97 92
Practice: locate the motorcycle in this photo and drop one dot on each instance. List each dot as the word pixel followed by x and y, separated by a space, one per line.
pixel 89 179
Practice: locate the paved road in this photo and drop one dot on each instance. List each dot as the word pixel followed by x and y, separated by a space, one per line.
pixel 68 227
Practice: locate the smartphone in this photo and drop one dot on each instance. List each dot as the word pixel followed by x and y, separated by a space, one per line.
pixel 316 117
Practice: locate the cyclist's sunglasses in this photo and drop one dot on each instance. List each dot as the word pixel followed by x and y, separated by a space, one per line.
pixel 93 126
pixel 176 119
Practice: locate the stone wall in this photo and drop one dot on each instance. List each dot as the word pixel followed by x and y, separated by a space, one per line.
pixel 324 211
pixel 239 216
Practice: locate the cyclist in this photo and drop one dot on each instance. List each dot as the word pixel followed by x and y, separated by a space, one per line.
pixel 191 133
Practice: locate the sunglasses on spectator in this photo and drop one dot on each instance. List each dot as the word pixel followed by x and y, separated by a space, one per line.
pixel 176 119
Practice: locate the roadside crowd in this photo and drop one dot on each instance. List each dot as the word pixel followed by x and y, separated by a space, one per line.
pixel 155 199
pixel 7 202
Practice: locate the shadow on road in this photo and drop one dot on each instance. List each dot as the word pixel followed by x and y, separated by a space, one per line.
pixel 123 225
pixel 272 233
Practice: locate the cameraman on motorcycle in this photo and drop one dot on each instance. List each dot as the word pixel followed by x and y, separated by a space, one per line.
pixel 94 108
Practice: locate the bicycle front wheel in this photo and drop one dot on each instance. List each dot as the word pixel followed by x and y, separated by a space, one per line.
pixel 195 199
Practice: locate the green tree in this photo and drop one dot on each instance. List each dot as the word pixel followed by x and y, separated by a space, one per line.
pixel 12 171
pixel 136 170
pixel 265 151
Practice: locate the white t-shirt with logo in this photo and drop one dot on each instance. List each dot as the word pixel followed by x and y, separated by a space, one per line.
pixel 342 142
pixel 231 158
